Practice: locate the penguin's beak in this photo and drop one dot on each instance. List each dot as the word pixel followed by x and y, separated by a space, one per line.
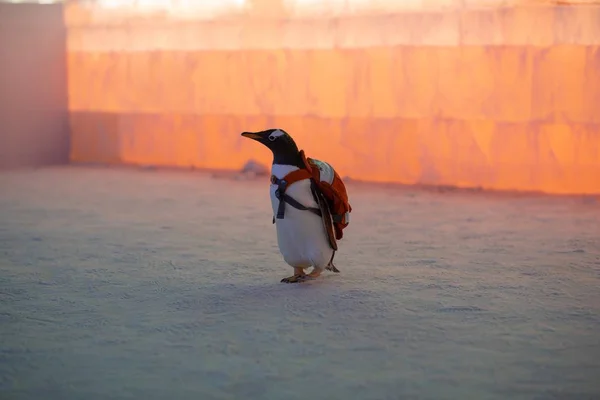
pixel 251 135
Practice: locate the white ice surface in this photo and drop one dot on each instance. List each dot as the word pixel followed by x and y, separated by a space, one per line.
pixel 127 284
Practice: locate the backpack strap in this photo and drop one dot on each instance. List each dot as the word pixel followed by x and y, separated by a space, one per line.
pixel 306 163
pixel 293 177
pixel 283 184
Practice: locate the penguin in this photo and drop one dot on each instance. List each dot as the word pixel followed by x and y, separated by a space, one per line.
pixel 302 234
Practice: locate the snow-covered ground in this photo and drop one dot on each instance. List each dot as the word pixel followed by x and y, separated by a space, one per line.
pixel 145 284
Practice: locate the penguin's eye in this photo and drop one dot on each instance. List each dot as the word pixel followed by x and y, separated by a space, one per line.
pixel 276 134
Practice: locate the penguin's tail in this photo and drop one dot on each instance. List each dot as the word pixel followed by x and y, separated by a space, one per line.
pixel 331 267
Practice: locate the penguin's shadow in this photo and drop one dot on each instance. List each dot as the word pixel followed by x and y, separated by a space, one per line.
pixel 278 288
pixel 223 296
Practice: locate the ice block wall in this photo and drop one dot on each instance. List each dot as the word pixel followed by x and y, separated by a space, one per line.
pixel 34 123
pixel 442 92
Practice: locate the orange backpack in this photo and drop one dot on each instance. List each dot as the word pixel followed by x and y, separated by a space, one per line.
pixel 329 184
pixel 334 190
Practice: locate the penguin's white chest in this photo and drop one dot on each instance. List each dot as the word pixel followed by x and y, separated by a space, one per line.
pixel 301 236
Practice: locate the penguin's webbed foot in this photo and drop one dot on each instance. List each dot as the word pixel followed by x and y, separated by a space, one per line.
pixel 297 277
pixel 302 277
pixel 294 278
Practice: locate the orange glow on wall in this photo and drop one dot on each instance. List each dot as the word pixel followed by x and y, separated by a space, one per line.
pixel 500 98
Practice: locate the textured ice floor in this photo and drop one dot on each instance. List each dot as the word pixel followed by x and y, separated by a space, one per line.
pixel 138 284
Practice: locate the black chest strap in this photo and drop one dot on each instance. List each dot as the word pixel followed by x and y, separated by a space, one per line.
pixel 284 198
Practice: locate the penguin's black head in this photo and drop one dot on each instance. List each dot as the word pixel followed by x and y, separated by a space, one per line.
pixel 285 151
